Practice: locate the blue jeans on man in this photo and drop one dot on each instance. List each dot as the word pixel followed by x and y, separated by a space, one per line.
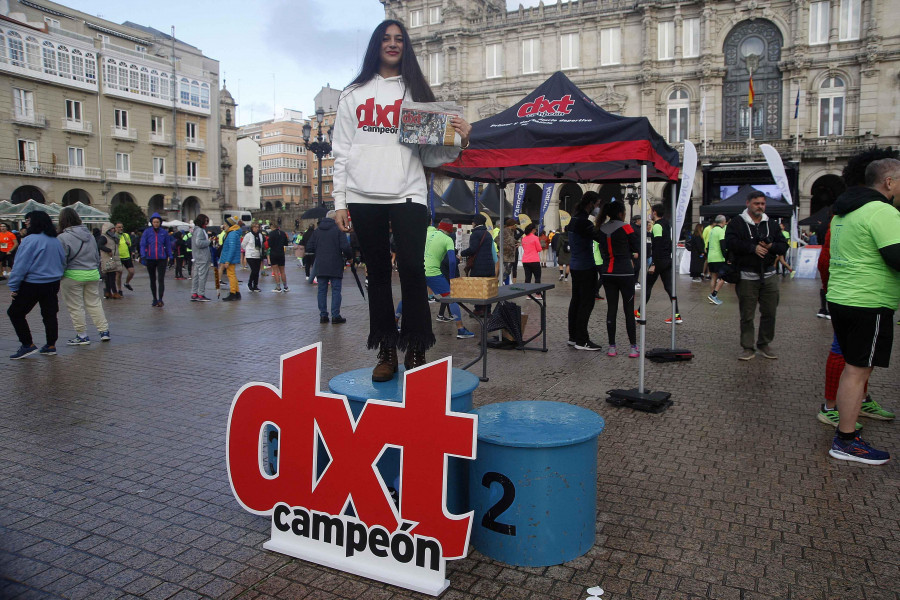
pixel 336 283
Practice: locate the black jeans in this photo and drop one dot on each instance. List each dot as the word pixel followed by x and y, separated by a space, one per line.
pixel 179 266
pixel 157 270
pixel 581 304
pixel 532 269
pixel 666 275
pixel 253 282
pixel 408 221
pixel 614 286
pixel 29 295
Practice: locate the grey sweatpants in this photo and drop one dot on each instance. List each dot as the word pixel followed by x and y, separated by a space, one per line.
pixel 198 283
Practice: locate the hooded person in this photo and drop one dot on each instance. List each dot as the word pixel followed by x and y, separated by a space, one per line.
pixel 78 286
pixel 156 250
pixel 110 263
pixel 231 256
pixel 202 258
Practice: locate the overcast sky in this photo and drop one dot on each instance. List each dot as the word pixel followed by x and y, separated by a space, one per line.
pixel 269 51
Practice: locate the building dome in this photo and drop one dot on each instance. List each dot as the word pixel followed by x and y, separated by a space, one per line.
pixel 225 97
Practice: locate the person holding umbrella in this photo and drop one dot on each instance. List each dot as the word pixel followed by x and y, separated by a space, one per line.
pixel 381 182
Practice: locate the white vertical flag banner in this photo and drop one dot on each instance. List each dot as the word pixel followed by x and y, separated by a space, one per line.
pixel 776 166
pixel 688 170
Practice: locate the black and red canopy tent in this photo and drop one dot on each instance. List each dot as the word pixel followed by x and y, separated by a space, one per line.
pixel 557 133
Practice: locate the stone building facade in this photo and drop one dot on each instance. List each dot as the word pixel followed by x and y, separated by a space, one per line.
pixel 101 113
pixel 685 66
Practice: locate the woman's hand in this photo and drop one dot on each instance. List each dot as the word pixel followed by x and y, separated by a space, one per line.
pixel 463 128
pixel 342 220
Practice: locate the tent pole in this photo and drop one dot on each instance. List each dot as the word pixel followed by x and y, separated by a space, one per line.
pixel 643 319
pixel 500 240
pixel 675 265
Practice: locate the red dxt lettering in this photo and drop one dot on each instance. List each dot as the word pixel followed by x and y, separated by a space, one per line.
pixel 421 426
pixel 541 105
pixel 369 114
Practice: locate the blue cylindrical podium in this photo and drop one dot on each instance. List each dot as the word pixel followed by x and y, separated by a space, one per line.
pixel 533 484
pixel 358 386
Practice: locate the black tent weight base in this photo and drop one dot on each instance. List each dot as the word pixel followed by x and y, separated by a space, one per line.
pixel 662 355
pixel 647 401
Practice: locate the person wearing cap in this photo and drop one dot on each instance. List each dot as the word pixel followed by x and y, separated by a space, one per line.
pixel 156 250
pixel 440 247
pixel 231 257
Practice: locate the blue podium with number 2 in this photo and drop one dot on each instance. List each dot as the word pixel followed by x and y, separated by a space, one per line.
pixel 533 485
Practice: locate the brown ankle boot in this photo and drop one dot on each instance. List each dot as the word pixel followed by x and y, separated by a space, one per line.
pixel 387 364
pixel 414 358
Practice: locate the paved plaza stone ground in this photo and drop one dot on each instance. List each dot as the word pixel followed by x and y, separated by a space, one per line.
pixel 113 480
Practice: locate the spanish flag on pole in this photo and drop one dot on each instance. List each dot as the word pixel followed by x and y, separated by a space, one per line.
pixel 750 97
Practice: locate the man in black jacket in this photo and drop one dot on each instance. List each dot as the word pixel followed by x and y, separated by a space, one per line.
pixel 661 251
pixel 754 243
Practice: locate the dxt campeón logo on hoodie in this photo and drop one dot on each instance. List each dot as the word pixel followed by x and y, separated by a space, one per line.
pixel 376 118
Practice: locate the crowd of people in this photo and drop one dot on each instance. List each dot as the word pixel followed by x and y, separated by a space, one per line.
pixel 379 183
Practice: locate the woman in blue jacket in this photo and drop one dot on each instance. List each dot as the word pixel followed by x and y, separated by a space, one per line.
pixel 156 250
pixel 40 264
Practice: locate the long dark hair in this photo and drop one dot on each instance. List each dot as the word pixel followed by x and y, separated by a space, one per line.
pixel 413 79
pixel 612 210
pixel 68 218
pixel 40 223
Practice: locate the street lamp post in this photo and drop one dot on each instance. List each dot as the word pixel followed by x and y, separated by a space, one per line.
pixel 320 146
pixel 632 193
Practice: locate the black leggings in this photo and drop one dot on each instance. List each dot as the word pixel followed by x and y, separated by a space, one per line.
pixel 666 275
pixel 532 269
pixel 253 282
pixel 615 285
pixel 109 283
pixel 408 221
pixel 157 270
pixel 584 282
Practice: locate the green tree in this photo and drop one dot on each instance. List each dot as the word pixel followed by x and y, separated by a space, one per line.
pixel 130 215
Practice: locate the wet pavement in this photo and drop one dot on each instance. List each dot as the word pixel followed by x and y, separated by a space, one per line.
pixel 113 481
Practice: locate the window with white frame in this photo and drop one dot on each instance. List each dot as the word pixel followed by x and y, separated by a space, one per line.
pixel 64 61
pixel 33 53
pixel 76 157
pixel 832 95
pixel 192 170
pixel 123 162
pixel 52 22
pixel 77 65
pixel 2 46
pixel 678 116
pixel 73 111
pixel 159 165
pixel 493 56
pixel 415 18
pixel 28 155
pixel 568 51
pixel 434 14
pixel 190 132
pixel 850 14
pixel 610 46
pixel 139 48
pixel 691 38
pixel 16 49
pixel 326 188
pixel 818 22
pixel 48 51
pixel 121 119
pixel 23 103
pixel 531 56
pixel 157 125
pixel 434 68
pixel 666 40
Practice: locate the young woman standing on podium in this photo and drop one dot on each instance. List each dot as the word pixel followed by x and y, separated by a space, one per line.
pixel 381 184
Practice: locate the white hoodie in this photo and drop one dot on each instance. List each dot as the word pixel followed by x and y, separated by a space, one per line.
pixel 371 166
